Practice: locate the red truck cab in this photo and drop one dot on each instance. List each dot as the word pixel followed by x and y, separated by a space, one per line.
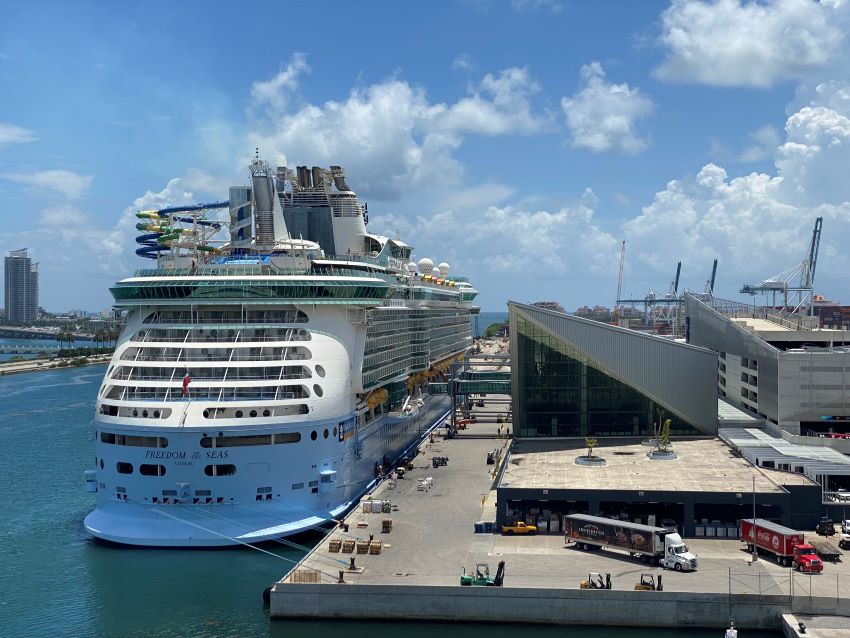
pixel 806 559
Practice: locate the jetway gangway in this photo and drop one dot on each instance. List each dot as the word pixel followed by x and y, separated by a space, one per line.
pixel 467 378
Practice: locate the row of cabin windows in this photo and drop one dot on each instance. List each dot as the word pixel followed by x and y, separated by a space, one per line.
pixel 159 470
pixel 212 441
pixel 134 441
pixel 144 469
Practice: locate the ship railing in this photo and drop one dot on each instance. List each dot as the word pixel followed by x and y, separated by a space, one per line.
pixel 222 358
pixel 286 336
pixel 166 321
pixel 196 377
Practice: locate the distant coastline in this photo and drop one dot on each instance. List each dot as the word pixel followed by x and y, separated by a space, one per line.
pixel 37 365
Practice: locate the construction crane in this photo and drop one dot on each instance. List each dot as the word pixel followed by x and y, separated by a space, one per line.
pixel 674 285
pixel 660 307
pixel 799 296
pixel 709 285
pixel 620 284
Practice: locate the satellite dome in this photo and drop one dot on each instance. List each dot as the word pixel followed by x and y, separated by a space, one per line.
pixel 435 271
pixel 444 268
pixel 425 265
pixel 412 267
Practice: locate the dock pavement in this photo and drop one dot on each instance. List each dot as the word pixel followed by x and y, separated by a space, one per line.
pixel 433 540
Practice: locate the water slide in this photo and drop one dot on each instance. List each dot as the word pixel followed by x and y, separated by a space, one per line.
pixel 159 234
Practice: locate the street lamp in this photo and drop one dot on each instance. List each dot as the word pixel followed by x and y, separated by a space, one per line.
pixel 755 534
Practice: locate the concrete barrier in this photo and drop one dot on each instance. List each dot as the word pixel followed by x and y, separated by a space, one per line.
pixel 547 606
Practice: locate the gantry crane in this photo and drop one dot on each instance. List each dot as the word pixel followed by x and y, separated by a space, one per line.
pixel 794 297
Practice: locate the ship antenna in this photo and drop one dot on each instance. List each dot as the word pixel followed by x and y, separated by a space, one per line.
pixel 257 153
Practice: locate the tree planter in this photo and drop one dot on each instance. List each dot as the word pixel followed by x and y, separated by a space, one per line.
pixel 590 461
pixel 659 455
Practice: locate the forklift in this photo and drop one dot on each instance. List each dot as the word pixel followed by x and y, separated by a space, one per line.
pixel 825 527
pixel 647 583
pixel 481 576
pixel 595 581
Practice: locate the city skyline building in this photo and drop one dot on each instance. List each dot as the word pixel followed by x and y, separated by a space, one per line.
pixel 20 289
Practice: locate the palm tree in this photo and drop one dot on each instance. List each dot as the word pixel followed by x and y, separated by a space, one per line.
pixel 664 438
pixel 590 443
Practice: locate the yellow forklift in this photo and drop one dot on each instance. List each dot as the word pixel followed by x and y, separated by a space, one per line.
pixel 647 583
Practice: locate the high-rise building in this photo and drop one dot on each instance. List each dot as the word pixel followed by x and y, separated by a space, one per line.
pixel 21 287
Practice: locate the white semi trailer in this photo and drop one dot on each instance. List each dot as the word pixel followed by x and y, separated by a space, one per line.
pixel 654 545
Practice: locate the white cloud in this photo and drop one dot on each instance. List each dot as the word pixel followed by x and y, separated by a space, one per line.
pixel 68 183
pixel 463 62
pixel 275 92
pixel 521 5
pixel 765 140
pixel 11 134
pixel 388 135
pixel 760 224
pixel 509 241
pixel 601 116
pixel 735 43
pixel 505 107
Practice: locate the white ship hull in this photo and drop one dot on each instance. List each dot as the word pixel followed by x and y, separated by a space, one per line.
pixel 207 511
pixel 261 382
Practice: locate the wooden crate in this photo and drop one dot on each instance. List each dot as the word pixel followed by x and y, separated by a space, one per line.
pixel 387 525
pixel 375 547
pixel 362 547
pixel 305 576
pixel 347 546
pixel 335 545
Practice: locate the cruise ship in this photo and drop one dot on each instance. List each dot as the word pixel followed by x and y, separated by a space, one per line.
pixel 276 362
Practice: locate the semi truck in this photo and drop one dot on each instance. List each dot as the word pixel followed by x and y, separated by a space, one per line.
pixel 786 545
pixel 654 545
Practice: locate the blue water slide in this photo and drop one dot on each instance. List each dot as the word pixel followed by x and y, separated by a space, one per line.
pixel 150 248
pixel 190 207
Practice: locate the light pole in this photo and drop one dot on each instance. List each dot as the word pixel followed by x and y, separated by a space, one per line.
pixel 755 533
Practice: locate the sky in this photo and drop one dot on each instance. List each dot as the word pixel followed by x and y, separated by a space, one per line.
pixel 521 141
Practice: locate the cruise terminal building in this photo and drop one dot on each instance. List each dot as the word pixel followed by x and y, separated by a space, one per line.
pixel 574 378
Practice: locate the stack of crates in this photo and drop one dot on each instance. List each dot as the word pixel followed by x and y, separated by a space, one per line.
pixel 386 525
pixel 335 545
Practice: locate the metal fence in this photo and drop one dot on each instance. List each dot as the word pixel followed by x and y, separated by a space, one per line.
pixel 800 589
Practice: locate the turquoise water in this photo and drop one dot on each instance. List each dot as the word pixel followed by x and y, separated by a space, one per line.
pixel 56 581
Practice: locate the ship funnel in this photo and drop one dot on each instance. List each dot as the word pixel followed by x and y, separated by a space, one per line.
pixel 318 179
pixel 304 180
pixel 339 178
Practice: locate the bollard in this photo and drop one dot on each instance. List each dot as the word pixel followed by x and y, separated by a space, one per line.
pixel 351 566
pixel 341 579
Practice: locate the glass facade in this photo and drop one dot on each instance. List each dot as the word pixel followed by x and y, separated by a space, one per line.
pixel 561 393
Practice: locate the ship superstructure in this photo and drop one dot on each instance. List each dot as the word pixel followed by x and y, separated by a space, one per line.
pixel 275 362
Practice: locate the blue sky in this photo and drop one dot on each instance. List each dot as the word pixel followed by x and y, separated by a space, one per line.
pixel 519 140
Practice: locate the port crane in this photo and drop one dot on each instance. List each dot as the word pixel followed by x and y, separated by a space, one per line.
pixel 620 284
pixel 794 297
pixel 709 285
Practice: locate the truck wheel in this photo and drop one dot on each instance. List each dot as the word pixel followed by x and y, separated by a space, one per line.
pixel 678 567
pixel 510 532
pixel 800 567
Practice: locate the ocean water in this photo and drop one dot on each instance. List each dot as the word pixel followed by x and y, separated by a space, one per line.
pixel 487 318
pixel 36 343
pixel 56 581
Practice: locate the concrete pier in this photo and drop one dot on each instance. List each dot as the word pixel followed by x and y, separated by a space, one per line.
pixel 416 574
